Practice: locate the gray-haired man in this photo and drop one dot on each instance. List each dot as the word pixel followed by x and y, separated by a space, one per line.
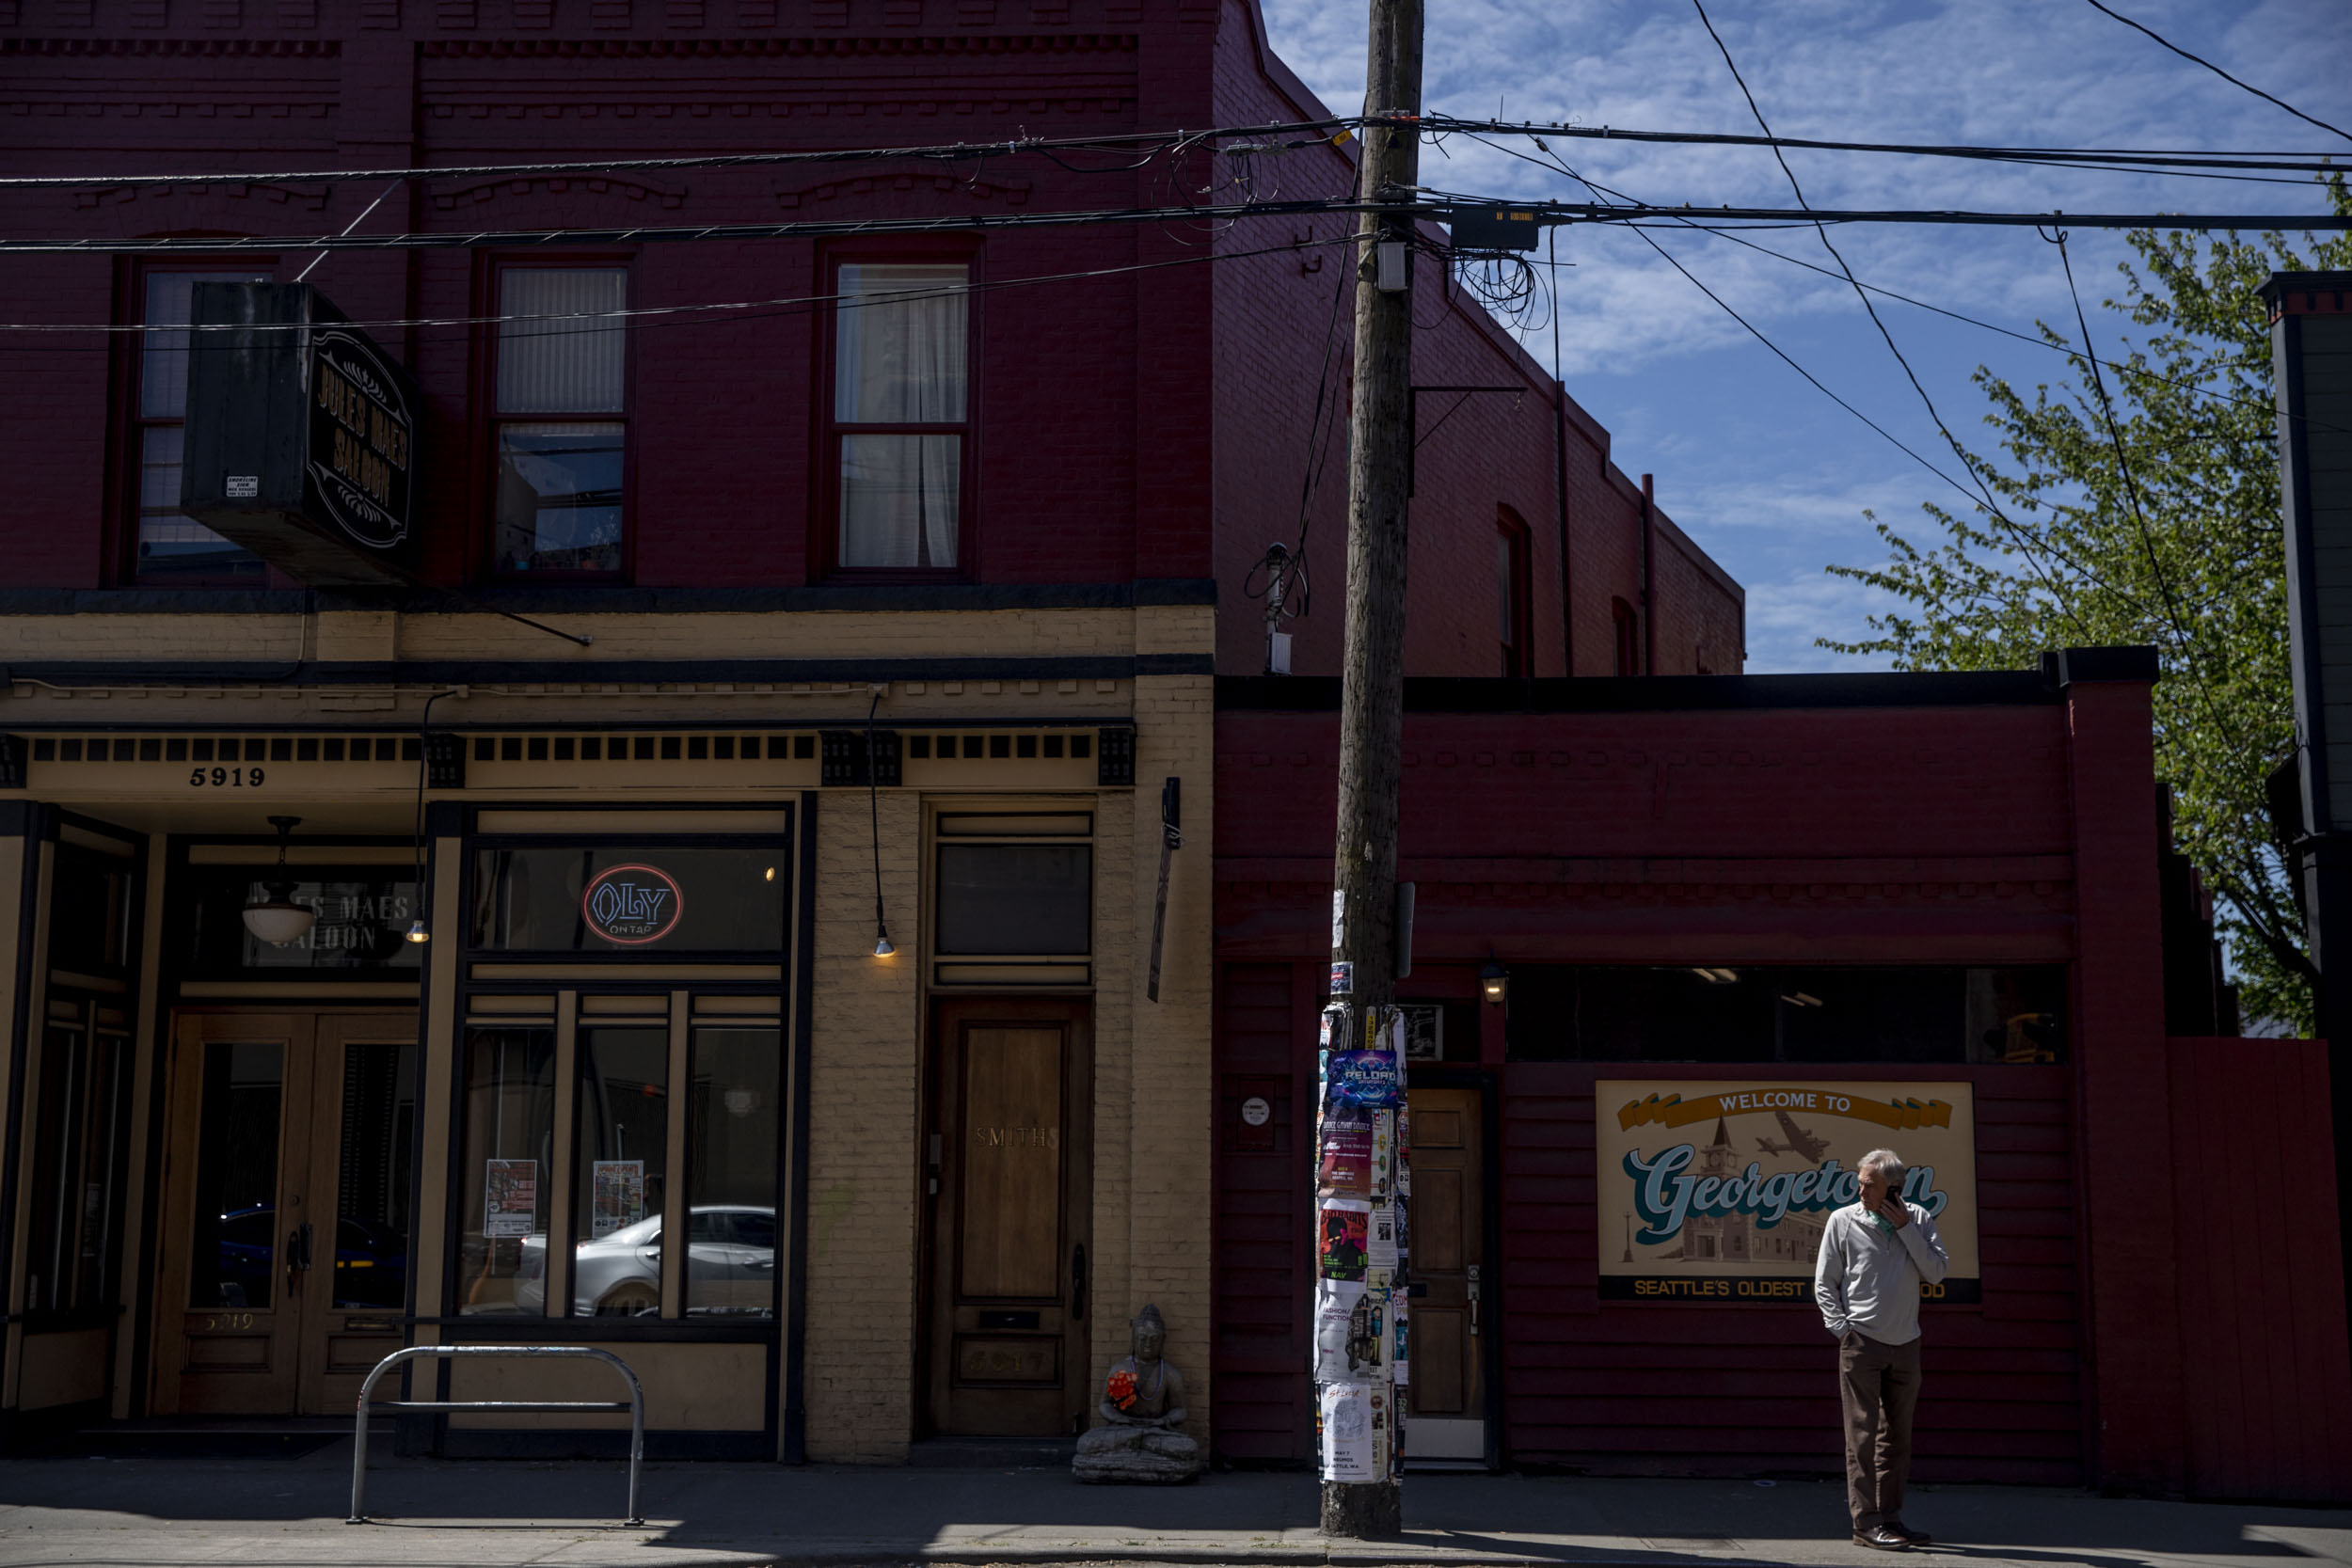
pixel 1875 1253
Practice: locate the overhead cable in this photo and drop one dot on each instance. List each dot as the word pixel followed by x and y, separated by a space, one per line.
pixel 1968 461
pixel 935 152
pixel 2152 158
pixel 689 315
pixel 1304 134
pixel 1433 205
pixel 2199 60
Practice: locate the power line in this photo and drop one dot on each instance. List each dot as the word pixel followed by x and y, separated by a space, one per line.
pixel 2057 591
pixel 937 153
pixel 694 314
pixel 2118 366
pixel 1436 205
pixel 1967 463
pixel 1304 134
pixel 2199 60
pixel 2151 158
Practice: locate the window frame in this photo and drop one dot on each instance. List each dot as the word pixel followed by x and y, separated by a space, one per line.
pixel 827 431
pixel 1625 638
pixel 1518 655
pixel 487 416
pixel 125 471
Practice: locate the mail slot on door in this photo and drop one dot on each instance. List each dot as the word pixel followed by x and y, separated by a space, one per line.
pixel 1009 1319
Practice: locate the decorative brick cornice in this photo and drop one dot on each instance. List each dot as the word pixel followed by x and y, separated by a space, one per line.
pixel 285 48
pixel 1040 43
pixel 309 198
pixel 1012 193
pixel 670 196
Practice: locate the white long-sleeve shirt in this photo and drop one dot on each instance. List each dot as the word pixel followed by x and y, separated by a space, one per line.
pixel 1868 1274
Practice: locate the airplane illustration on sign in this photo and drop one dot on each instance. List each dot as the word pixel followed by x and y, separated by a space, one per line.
pixel 1801 1143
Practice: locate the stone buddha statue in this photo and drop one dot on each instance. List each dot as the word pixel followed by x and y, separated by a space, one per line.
pixel 1142 1412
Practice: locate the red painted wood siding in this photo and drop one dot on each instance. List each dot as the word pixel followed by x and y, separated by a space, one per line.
pixel 1259 1362
pixel 1651 1389
pixel 2268 1378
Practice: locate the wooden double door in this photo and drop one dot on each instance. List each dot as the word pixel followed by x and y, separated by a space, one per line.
pixel 1009 1179
pixel 286 1243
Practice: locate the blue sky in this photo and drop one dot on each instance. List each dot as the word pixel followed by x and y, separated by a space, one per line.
pixel 1767 474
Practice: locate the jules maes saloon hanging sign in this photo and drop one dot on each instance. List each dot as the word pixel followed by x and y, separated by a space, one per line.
pixel 1717 1191
pixel 302 436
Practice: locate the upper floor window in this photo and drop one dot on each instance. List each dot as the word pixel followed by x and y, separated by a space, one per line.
pixel 167 545
pixel 1625 631
pixel 901 414
pixel 1514 602
pixel 559 419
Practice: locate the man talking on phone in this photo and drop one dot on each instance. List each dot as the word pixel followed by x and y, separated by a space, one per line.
pixel 1876 1252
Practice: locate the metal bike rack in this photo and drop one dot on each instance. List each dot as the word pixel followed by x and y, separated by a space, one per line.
pixel 635 1405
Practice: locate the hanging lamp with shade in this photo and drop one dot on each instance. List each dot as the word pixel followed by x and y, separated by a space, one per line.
pixel 276 918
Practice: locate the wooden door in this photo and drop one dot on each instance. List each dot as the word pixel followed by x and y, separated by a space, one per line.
pixel 237 1197
pixel 1447 1413
pixel 1010 1164
pixel 364 1086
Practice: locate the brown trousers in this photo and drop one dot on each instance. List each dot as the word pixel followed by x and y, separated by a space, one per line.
pixel 1880 1386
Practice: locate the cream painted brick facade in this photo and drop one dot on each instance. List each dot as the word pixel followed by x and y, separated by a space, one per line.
pixel 864 1117
pixel 1152 1132
pixel 1151 1091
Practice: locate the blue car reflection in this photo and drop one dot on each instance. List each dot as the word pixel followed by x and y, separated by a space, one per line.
pixel 370 1260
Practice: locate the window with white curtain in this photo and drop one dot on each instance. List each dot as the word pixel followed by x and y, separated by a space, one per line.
pixel 170 546
pixel 901 413
pixel 561 419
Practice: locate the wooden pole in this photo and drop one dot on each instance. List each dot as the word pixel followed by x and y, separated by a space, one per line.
pixel 1361 1181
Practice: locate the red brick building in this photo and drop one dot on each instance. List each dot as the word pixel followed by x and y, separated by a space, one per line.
pixel 872 587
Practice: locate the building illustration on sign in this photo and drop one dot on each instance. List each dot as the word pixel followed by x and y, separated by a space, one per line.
pixel 1736 1237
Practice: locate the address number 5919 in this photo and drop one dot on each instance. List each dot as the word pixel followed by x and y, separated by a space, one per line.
pixel 216 778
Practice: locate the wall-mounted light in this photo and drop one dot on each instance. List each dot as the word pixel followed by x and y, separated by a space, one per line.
pixel 1799 999
pixel 1718 976
pixel 1494 984
pixel 277 919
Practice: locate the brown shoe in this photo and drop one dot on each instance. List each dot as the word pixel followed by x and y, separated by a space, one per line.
pixel 1884 1538
pixel 1917 1537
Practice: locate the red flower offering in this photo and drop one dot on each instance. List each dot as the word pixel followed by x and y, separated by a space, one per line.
pixel 1121 1389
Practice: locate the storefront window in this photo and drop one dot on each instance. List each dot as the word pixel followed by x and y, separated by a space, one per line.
pixel 89 929
pixel 78 1170
pixel 731 1171
pixel 1007 899
pixel 233 1261
pixel 1745 1013
pixel 362 923
pixel 622 1155
pixel 619 899
pixel 508 1154
pixel 372 1185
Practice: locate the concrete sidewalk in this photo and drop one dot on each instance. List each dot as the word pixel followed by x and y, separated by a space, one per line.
pixel 168 1512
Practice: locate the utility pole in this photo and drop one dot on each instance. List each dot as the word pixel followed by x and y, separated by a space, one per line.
pixel 1361 1182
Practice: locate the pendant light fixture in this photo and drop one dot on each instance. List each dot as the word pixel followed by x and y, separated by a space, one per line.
pixel 278 919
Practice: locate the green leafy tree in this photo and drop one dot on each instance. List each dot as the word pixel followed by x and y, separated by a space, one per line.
pixel 2138 503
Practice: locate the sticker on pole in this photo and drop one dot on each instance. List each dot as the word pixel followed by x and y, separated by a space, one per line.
pixel 1365 1078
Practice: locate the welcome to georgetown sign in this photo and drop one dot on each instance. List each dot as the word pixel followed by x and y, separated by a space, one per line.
pixel 1719 1192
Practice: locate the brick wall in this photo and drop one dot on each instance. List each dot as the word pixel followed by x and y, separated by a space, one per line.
pixel 864 1119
